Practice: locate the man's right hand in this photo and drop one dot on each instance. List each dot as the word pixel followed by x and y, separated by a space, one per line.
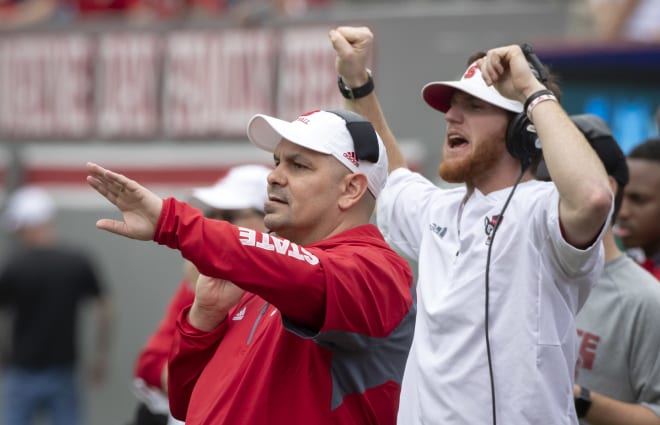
pixel 140 207
pixel 353 46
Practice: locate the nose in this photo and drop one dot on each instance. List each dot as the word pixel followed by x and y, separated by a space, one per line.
pixel 453 114
pixel 276 176
pixel 624 209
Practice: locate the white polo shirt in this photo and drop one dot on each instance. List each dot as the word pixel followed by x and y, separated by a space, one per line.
pixel 537 283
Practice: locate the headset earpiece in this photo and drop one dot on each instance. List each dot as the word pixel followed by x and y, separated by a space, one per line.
pixel 521 138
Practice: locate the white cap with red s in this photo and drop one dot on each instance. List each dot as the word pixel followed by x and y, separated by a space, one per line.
pixel 438 93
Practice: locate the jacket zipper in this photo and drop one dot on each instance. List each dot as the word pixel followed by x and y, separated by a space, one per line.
pixel 256 322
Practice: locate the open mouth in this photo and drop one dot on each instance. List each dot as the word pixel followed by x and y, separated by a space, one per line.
pixel 456 140
pixel 621 231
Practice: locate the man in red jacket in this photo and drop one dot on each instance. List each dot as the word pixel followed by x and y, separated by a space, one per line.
pixel 311 326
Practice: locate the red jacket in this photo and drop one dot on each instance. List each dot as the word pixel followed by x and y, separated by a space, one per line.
pixel 322 337
pixel 154 355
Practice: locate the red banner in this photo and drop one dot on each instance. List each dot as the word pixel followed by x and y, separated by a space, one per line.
pixel 215 81
pixel 127 85
pixel 307 76
pixel 46 86
pixel 186 85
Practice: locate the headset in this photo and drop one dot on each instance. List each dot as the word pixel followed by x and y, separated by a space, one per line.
pixel 521 139
pixel 365 139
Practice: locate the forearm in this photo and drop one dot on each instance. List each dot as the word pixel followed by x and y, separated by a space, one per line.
pixel 287 275
pixel 608 411
pixel 369 107
pixel 577 172
pixel 191 350
pixel 206 319
pixel 104 326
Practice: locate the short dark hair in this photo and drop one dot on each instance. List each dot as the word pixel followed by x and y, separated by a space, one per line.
pixel 649 149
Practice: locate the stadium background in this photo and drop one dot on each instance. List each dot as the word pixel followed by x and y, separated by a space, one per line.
pixel 168 103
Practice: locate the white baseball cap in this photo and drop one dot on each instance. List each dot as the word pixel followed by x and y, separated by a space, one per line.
pixel 438 93
pixel 29 206
pixel 244 186
pixel 328 132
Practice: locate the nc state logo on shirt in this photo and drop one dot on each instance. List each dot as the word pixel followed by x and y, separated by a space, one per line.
pixel 250 237
pixel 489 226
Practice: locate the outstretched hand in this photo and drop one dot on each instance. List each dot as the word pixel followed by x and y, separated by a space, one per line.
pixel 139 206
pixel 353 46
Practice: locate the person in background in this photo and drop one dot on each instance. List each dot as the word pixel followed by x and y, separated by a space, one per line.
pixel 42 284
pixel 617 373
pixel 638 222
pixel 502 274
pixel 309 324
pixel 238 198
pixel 626 20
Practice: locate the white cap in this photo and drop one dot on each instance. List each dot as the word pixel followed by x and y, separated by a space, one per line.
pixel 29 206
pixel 438 93
pixel 244 186
pixel 324 132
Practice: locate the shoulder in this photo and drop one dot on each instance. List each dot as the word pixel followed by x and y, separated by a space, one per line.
pixel 634 283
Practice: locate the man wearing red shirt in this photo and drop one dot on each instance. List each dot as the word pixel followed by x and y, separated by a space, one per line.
pixel 311 326
pixel 238 197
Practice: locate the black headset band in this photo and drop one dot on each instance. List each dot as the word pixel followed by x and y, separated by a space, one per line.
pixel 365 140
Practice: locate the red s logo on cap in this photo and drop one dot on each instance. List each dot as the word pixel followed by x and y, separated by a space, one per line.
pixel 470 71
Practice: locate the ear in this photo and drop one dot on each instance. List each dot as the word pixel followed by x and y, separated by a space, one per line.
pixel 613 184
pixel 354 186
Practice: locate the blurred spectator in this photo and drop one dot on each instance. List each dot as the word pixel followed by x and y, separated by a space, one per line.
pixel 639 218
pixel 255 12
pixel 103 9
pixel 617 372
pixel 633 20
pixel 16 14
pixel 238 198
pixel 42 284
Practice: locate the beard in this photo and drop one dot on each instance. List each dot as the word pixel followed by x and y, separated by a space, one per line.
pixel 465 168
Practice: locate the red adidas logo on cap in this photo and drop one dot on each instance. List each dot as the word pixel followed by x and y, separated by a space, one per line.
pixel 351 157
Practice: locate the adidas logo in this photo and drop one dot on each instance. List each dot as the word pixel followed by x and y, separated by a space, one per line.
pixel 438 230
pixel 240 315
pixel 351 157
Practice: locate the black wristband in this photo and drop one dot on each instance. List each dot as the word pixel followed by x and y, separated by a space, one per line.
pixel 534 95
pixel 357 92
pixel 583 402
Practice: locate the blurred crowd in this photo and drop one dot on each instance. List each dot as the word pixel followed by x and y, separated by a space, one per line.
pixel 17 14
pixel 608 20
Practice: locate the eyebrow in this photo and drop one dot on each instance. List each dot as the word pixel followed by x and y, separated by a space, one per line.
pixel 290 156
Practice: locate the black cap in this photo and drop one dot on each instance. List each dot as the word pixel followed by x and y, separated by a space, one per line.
pixel 599 135
pixel 600 138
